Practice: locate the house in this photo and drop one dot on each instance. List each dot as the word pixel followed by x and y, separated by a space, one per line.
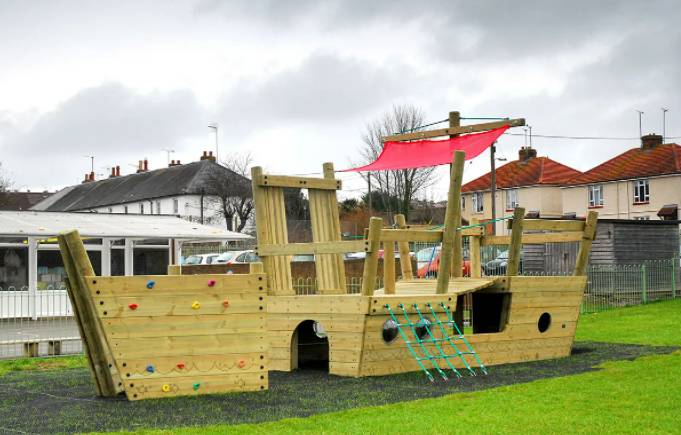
pixel 180 189
pixel 531 181
pixel 16 200
pixel 641 183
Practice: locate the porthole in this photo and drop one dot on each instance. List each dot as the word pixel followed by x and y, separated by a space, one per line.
pixel 544 322
pixel 319 330
pixel 389 330
pixel 422 328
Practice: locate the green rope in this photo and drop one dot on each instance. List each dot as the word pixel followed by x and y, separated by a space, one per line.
pixel 435 341
pixel 481 224
pixel 446 334
pixel 468 345
pixel 406 340
pixel 428 355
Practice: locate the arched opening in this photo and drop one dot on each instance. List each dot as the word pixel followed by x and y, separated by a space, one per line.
pixel 310 347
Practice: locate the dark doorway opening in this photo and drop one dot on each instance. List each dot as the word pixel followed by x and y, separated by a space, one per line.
pixel 490 312
pixel 310 347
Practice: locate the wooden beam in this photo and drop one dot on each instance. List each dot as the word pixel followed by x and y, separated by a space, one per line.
pixel 372 244
pixel 585 246
pixel 551 225
pixel 411 235
pixel 448 255
pixel 337 247
pixel 405 258
pixel 516 245
pixel 464 129
pixel 297 182
pixel 389 268
pixel 534 239
pixel 476 261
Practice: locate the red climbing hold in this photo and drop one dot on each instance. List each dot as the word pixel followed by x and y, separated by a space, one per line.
pixel 180 365
pixel 132 306
pixel 211 282
pixel 225 303
pixel 241 364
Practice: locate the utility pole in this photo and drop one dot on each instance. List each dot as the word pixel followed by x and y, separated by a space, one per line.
pixel 493 184
pixel 640 124
pixel 214 126
pixel 664 123
pixel 369 188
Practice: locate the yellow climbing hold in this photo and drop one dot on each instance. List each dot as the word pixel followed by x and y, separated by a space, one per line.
pixel 196 305
pixel 165 388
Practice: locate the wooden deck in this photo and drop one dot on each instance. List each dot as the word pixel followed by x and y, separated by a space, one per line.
pixel 458 286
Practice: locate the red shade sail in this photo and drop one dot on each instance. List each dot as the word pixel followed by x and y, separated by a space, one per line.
pixel 422 153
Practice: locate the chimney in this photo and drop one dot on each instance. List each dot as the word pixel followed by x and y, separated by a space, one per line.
pixel 146 165
pixel 526 153
pixel 208 156
pixel 174 163
pixel 650 141
pixel 113 172
pixel 118 171
pixel 87 179
pixel 92 176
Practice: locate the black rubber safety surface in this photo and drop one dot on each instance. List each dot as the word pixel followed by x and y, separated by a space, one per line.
pixel 63 401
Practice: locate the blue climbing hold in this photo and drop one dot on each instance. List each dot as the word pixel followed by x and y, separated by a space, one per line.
pixel 150 368
pixel 151 283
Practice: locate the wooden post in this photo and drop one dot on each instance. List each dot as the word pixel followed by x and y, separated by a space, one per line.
pixel 389 268
pixel 585 245
pixel 78 266
pixel 174 269
pixel 405 257
pixel 476 261
pixel 372 244
pixel 451 247
pixel 256 268
pixel 516 246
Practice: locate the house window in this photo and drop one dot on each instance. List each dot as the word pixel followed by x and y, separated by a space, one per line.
pixel 176 206
pixel 477 203
pixel 158 207
pixel 125 209
pixel 641 218
pixel 641 191
pixel 596 195
pixel 110 210
pixel 511 199
pixel 141 208
pixel 463 202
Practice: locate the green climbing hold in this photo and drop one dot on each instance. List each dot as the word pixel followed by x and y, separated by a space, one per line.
pixel 196 386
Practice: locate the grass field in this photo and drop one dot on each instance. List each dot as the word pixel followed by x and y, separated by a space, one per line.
pixel 634 389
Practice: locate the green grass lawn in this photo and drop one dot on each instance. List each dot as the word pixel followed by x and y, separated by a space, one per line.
pixel 643 395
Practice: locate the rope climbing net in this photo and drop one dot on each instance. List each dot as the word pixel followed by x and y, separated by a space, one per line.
pixel 425 333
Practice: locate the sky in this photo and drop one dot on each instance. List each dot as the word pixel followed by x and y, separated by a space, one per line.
pixel 295 83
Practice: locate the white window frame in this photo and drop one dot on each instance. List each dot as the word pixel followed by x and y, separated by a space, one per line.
pixel 641 191
pixel 511 199
pixel 176 206
pixel 141 208
pixel 158 207
pixel 595 194
pixel 477 201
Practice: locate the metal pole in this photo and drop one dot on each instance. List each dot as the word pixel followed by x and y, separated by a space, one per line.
pixel 214 126
pixel 493 185
pixel 369 186
pixel 664 124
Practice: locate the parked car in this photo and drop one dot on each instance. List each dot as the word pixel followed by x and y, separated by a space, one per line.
pixel 245 257
pixel 499 264
pixel 200 259
pixel 226 256
pixel 428 263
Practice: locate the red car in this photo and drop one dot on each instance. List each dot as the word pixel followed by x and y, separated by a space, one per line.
pixel 430 269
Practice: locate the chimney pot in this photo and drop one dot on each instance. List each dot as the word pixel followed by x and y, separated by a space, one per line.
pixel 650 141
pixel 210 153
pixel 526 153
pixel 146 165
pixel 113 172
pixel 92 176
pixel 118 171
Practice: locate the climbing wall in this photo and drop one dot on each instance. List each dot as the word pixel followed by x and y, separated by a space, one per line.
pixel 184 335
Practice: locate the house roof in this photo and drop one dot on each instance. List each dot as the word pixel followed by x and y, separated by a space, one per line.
pixel 49 224
pixel 635 163
pixel 519 173
pixel 21 200
pixel 188 179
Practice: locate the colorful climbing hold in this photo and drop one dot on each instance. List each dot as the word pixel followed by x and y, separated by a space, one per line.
pixel 211 282
pixel 132 306
pixel 196 305
pixel 225 303
pixel 180 365
pixel 165 388
pixel 150 368
pixel 196 386
pixel 241 363
pixel 151 283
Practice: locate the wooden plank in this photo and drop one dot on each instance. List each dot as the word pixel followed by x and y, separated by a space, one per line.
pixel 585 245
pixel 475 231
pixel 195 365
pixel 178 326
pixel 432 236
pixel 546 283
pixel 270 216
pixel 454 130
pixel 186 346
pixel 389 267
pixel 405 255
pixel 475 260
pixel 335 247
pixel 371 259
pixel 550 225
pixel 297 182
pixel 450 255
pixel 378 303
pixel 456 286
pixel 321 304
pixel 175 284
pixel 153 388
pixel 536 238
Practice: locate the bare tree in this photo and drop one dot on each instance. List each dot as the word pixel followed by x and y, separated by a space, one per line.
pixel 231 190
pixel 5 185
pixel 403 184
